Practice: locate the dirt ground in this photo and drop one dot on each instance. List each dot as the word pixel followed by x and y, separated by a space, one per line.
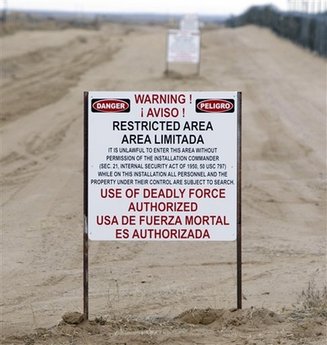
pixel 162 293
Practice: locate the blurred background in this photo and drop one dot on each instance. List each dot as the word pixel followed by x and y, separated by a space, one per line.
pixel 303 21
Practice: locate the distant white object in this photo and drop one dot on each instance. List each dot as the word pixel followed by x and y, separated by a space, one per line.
pixel 190 22
pixel 183 46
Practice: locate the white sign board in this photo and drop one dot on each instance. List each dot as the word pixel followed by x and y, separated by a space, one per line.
pixel 162 165
pixel 183 46
pixel 189 23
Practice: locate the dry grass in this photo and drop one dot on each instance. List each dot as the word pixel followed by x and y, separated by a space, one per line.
pixel 312 302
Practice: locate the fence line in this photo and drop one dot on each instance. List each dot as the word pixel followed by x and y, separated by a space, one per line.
pixel 308 30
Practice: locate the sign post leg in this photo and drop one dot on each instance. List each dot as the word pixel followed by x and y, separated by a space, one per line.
pixel 198 69
pixel 85 273
pixel 167 63
pixel 85 200
pixel 239 270
pixel 239 203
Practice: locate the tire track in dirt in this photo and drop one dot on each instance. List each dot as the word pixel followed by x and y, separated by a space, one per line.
pixel 44 76
pixel 34 154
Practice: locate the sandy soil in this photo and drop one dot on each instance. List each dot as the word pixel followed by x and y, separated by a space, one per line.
pixel 161 293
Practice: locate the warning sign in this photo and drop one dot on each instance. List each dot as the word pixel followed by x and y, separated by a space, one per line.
pixel 162 165
pixel 190 22
pixel 183 46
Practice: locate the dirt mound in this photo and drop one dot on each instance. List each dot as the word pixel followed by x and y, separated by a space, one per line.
pixel 201 316
pixel 73 318
pixel 223 326
pixel 230 318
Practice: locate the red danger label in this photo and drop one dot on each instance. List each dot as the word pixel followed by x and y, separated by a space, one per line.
pixel 110 105
pixel 214 106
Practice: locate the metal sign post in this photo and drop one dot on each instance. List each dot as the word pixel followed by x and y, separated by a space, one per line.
pixel 239 203
pixel 85 213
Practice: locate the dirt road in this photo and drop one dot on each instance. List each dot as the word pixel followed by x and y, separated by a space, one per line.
pixel 44 75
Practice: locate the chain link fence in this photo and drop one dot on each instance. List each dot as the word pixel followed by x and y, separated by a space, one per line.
pixel 308 30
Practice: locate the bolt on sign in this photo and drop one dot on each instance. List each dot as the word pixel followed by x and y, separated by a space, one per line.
pixel 163 165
